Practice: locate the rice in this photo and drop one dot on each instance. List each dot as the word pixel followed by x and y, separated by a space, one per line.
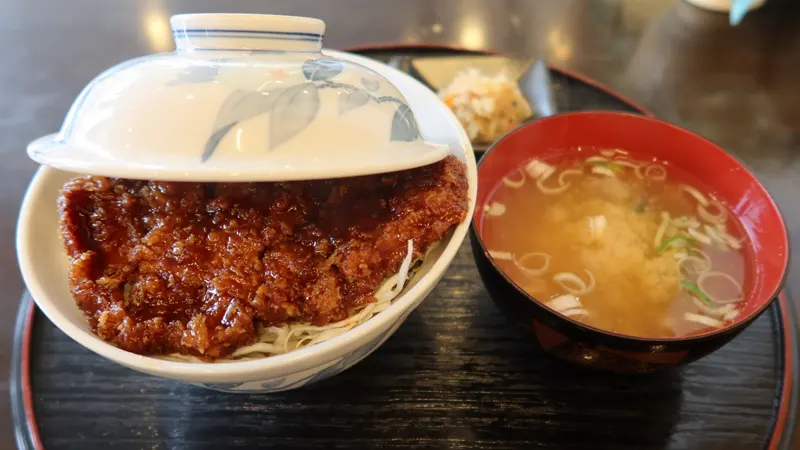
pixel 487 106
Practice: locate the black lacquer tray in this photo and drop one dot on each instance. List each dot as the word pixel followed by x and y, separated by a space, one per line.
pixel 455 375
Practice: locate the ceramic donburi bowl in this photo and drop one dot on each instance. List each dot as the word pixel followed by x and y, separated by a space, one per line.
pixel 44 267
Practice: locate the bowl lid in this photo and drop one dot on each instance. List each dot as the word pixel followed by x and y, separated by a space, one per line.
pixel 243 98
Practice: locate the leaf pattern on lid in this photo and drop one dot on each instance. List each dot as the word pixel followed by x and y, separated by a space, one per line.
pixel 371 85
pixel 352 99
pixel 239 106
pixel 404 126
pixel 213 140
pixel 294 109
pixel 321 69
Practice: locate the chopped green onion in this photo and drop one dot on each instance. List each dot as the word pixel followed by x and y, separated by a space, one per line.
pixel 702 296
pixel 613 166
pixel 672 239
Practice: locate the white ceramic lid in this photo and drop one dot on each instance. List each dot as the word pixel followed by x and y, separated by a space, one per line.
pixel 243 98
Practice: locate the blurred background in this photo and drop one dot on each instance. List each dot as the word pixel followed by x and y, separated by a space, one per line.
pixel 738 86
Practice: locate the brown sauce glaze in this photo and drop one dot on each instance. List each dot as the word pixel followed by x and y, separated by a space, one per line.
pixel 164 267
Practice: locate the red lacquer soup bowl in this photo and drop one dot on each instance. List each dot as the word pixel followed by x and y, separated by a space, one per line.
pixel 730 181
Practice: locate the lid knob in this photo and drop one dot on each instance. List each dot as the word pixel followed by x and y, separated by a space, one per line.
pixel 256 32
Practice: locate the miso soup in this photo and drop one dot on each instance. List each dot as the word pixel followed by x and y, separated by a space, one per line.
pixel 621 243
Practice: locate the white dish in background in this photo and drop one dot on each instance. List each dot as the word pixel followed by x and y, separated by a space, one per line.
pixel 723 5
pixel 438 71
pixel 243 98
pixel 43 264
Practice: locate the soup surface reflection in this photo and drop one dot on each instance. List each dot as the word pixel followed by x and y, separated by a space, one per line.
pixel 628 245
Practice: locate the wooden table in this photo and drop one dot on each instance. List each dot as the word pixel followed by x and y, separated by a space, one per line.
pixel 737 86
